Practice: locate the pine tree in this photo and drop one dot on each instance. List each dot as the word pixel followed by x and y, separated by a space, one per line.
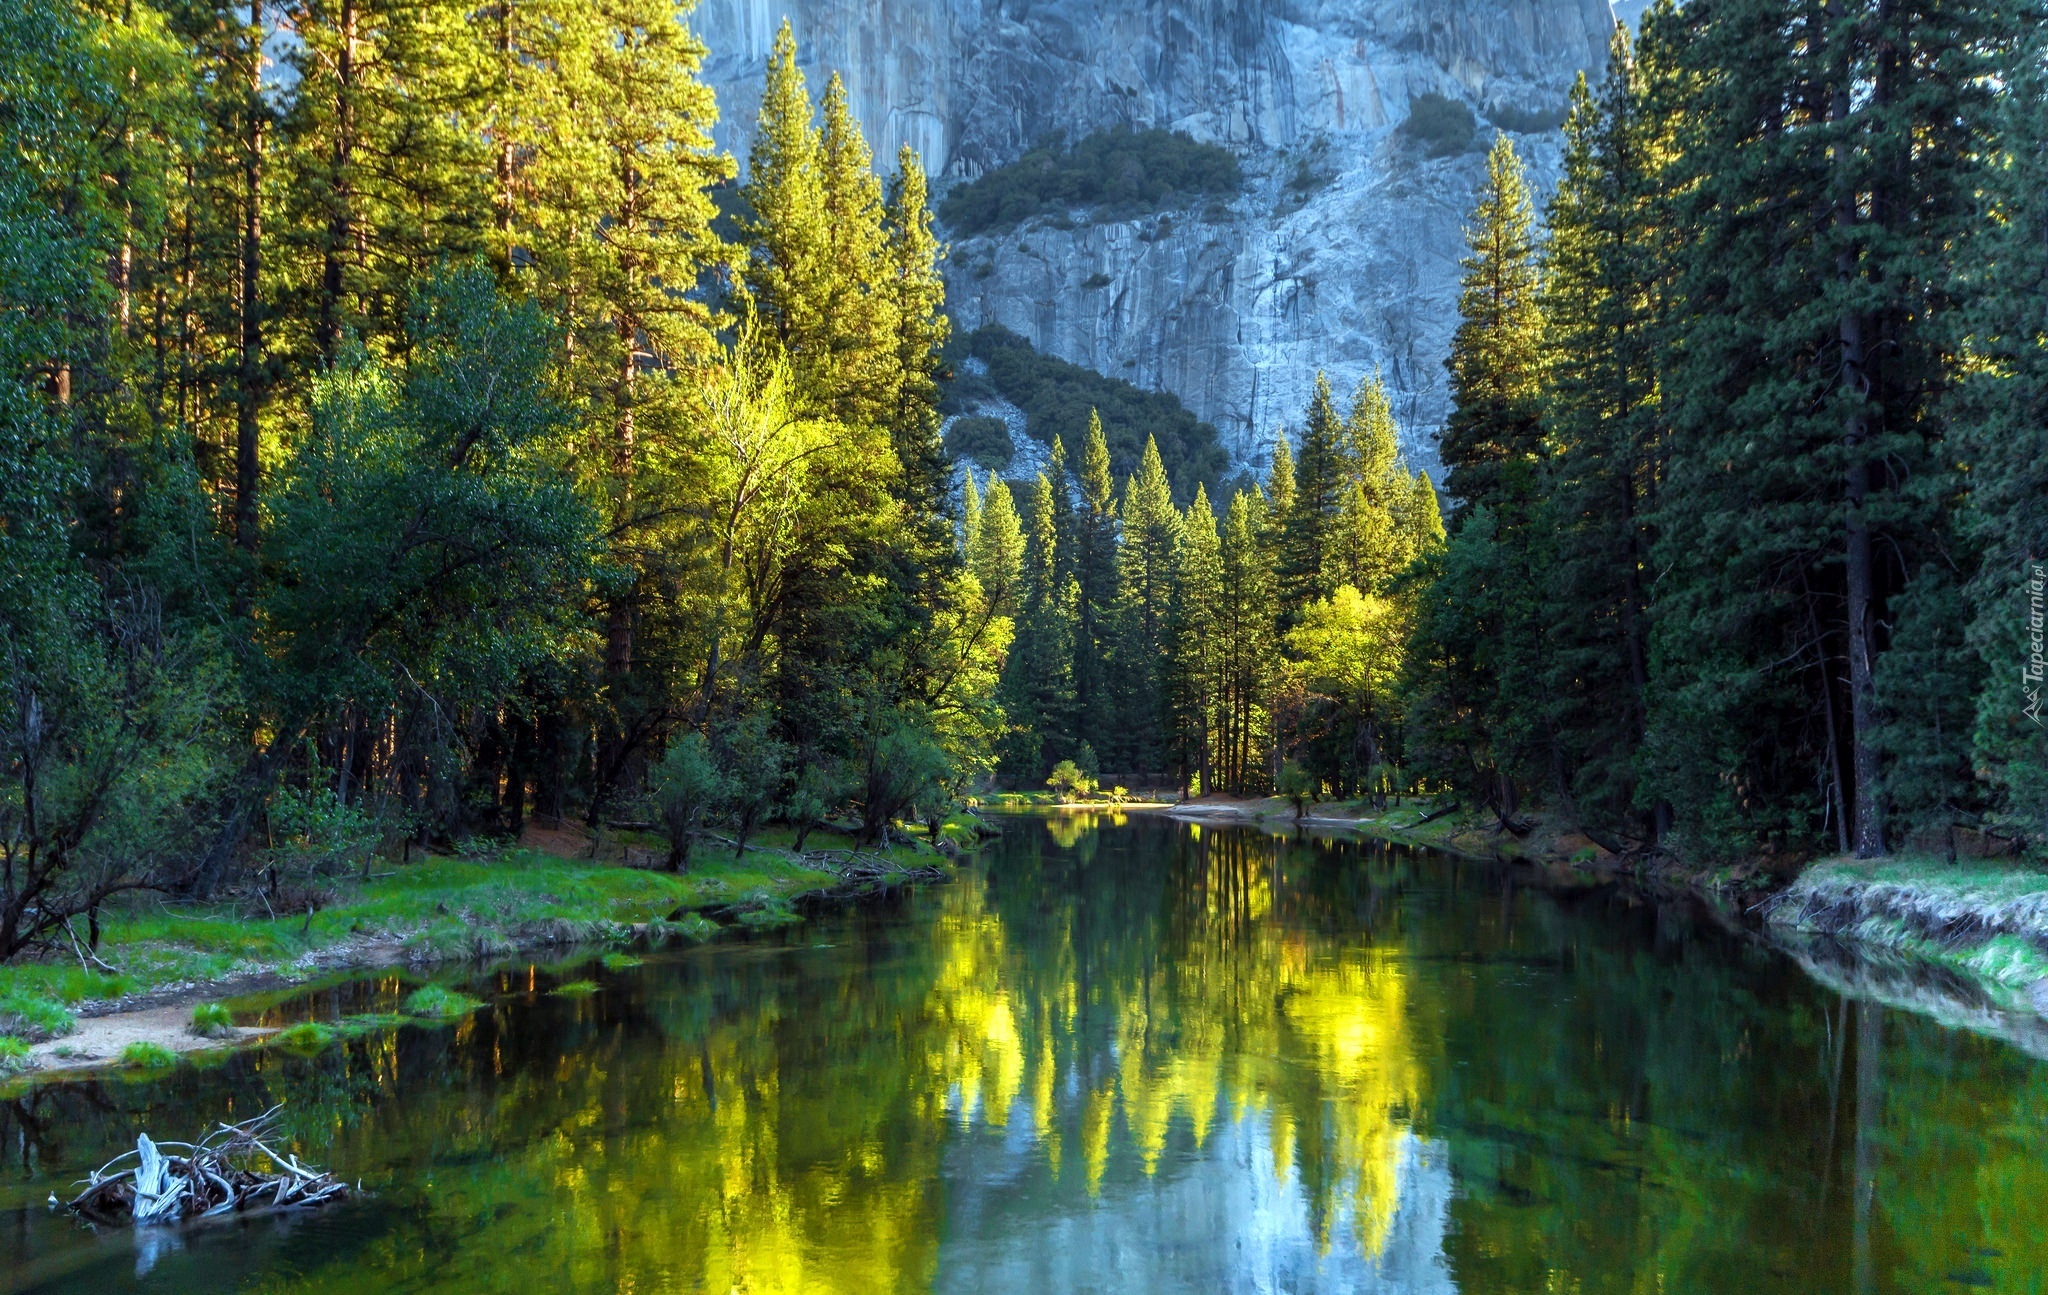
pixel 1491 440
pixel 996 554
pixel 1806 511
pixel 1310 523
pixel 388 175
pixel 1094 569
pixel 914 305
pixel 970 513
pixel 1600 273
pixel 1245 630
pixel 1146 563
pixel 1191 685
pixel 787 231
pixel 856 370
pixel 2003 416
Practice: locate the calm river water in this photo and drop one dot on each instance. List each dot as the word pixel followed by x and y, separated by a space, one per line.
pixel 1127 1056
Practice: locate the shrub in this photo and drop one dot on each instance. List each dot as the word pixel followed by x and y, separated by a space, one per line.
pixel 1121 172
pixel 148 1056
pixel 14 1056
pixel 1070 780
pixel 819 789
pixel 754 759
pixel 687 784
pixel 1443 126
pixel 982 440
pixel 1525 121
pixel 440 1002
pixel 901 764
pixel 212 1021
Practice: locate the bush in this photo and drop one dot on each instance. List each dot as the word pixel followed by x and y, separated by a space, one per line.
pixel 14 1056
pixel 687 784
pixel 148 1056
pixel 819 789
pixel 754 759
pixel 1524 121
pixel 212 1021
pixel 1121 172
pixel 1069 780
pixel 902 763
pixel 436 1001
pixel 1056 397
pixel 981 440
pixel 1443 126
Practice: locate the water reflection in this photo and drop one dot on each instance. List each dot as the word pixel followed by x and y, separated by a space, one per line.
pixel 1125 1055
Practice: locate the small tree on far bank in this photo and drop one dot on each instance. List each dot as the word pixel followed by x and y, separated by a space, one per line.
pixel 1069 781
pixel 687 785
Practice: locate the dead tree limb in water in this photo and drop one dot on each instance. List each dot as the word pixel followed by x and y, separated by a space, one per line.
pixel 229 1170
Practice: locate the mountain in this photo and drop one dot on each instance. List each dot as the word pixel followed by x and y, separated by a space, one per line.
pixel 1340 251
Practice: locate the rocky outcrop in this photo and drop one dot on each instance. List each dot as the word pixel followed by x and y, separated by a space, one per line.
pixel 1341 254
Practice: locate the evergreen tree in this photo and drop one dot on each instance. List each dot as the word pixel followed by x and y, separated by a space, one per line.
pixel 1244 627
pixel 1491 441
pixel 1146 563
pixel 1806 510
pixel 970 514
pixel 2003 416
pixel 1191 688
pixel 1309 525
pixel 1095 574
pixel 996 554
pixel 1600 414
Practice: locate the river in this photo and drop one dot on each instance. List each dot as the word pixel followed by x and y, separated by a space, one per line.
pixel 1120 1055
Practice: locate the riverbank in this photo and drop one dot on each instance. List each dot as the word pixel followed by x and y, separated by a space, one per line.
pixel 1987 921
pixel 1468 832
pixel 557 888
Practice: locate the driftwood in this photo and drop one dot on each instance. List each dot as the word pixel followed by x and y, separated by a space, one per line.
pixel 1435 814
pixel 859 865
pixel 229 1170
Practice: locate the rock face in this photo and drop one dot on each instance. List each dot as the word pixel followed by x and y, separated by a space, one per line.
pixel 1342 252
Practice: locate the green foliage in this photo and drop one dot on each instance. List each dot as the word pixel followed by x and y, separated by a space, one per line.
pixel 307 1038
pixel 981 440
pixel 31 1017
pixel 1117 173
pixel 767 913
pixel 212 1020
pixel 148 1056
pixel 14 1056
pixel 1069 781
pixel 687 785
pixel 1441 125
pixel 439 1002
pixel 1056 398
pixel 619 961
pixel 575 989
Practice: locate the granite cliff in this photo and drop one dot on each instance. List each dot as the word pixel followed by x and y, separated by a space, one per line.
pixel 1341 252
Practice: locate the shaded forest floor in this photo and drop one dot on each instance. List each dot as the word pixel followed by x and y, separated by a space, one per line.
pixel 557 887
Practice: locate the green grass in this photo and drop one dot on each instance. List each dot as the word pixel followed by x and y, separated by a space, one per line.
pixel 212 1020
pixel 306 1037
pixel 440 909
pixel 619 961
pixel 148 1056
pixel 33 1016
pixel 441 1002
pixel 14 1056
pixel 575 989
pixel 767 912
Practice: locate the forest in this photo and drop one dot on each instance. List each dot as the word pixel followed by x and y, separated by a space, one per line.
pixel 417 426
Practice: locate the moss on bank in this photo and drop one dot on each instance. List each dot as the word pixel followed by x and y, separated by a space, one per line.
pixel 1988 921
pixel 442 909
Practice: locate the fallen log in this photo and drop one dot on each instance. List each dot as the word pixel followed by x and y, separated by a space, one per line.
pixel 229 1170
pixel 1435 814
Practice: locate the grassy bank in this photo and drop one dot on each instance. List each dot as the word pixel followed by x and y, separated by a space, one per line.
pixel 439 910
pixel 1988 921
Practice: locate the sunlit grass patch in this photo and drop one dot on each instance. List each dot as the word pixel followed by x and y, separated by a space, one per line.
pixel 14 1056
pixel 143 1055
pixel 440 1002
pixel 619 961
pixel 305 1038
pixel 575 989
pixel 32 1017
pixel 212 1020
